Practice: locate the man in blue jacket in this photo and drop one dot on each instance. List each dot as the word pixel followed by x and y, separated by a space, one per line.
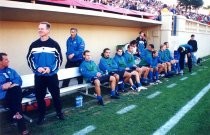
pixel 44 58
pixel 91 72
pixel 11 93
pixel 75 47
pixel 108 65
pixel 185 50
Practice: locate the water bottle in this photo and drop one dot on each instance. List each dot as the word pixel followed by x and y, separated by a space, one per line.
pixel 79 101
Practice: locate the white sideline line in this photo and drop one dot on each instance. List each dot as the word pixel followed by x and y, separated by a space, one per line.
pixel 200 69
pixel 184 78
pixel 86 130
pixel 154 95
pixel 194 73
pixel 181 113
pixel 126 109
pixel 171 85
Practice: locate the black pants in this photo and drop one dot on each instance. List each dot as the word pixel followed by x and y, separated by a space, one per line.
pixel 181 61
pixel 13 101
pixel 41 85
pixel 70 64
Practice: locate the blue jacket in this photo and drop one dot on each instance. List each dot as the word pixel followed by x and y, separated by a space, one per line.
pixel 75 46
pixel 168 56
pixel 129 59
pixel 146 60
pixel 44 54
pixel 120 60
pixel 8 75
pixel 108 64
pixel 162 56
pixel 188 48
pixel 141 48
pixel 154 62
pixel 89 69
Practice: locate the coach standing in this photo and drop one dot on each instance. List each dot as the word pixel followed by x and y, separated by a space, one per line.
pixel 44 58
pixel 75 48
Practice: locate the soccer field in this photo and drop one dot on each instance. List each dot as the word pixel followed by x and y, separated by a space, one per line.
pixel 142 113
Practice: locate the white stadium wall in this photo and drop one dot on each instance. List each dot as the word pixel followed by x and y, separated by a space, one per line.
pixel 185 28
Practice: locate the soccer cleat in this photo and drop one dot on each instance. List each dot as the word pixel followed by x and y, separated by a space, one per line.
pixel 142 88
pixel 117 94
pixel 60 116
pixel 133 88
pixel 115 97
pixel 158 81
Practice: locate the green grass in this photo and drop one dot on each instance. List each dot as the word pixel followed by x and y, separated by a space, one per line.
pixel 146 118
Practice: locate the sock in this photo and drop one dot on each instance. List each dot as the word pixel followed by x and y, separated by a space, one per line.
pixel 150 75
pixel 112 92
pixel 99 98
pixel 157 75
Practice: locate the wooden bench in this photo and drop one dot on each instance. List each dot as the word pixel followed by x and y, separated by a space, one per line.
pixel 28 82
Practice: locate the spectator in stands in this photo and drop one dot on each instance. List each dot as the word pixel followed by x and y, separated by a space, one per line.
pixel 44 58
pixel 192 42
pixel 75 47
pixel 94 75
pixel 109 66
pixel 164 9
pixel 122 66
pixel 11 92
pixel 185 50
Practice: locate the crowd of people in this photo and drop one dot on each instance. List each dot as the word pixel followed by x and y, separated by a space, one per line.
pixel 138 65
pixel 155 7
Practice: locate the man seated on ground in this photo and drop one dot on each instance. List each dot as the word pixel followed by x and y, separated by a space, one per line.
pixel 185 49
pixel 11 92
pixel 91 72
pixel 169 58
pixel 122 66
pixel 108 64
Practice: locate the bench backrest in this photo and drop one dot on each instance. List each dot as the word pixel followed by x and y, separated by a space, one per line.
pixel 28 80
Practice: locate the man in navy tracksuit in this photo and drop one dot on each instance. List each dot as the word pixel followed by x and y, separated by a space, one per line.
pixel 91 72
pixel 44 58
pixel 75 47
pixel 185 50
pixel 11 92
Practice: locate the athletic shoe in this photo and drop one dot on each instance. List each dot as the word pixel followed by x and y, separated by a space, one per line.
pixel 158 81
pixel 115 97
pixel 133 88
pixel 141 88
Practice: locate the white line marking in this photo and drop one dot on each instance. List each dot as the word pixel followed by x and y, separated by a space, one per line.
pixel 195 73
pixel 184 78
pixel 126 109
pixel 86 130
pixel 154 95
pixel 205 67
pixel 171 85
pixel 181 113
pixel 200 69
